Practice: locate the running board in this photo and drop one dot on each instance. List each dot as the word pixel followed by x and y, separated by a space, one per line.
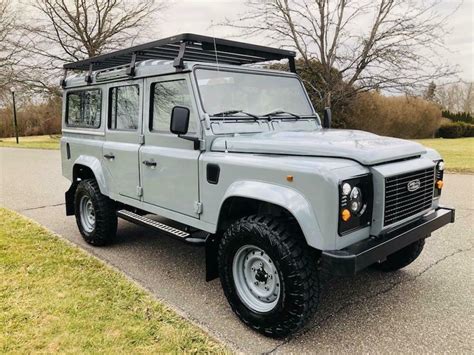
pixel 198 237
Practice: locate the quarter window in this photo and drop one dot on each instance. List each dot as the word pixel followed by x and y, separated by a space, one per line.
pixel 83 108
pixel 165 96
pixel 124 107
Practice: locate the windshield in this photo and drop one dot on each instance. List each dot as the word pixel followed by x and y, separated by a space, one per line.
pixel 257 94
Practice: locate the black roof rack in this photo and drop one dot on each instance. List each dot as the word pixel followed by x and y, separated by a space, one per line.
pixel 186 46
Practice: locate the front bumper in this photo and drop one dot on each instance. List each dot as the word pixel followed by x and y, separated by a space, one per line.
pixel 358 256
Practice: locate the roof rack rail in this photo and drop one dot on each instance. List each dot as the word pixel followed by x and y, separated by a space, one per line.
pixel 185 47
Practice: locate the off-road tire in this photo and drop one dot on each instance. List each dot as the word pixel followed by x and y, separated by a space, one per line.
pixel 105 227
pixel 297 267
pixel 401 258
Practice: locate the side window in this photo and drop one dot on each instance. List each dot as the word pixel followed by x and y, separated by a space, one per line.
pixel 83 108
pixel 124 107
pixel 166 95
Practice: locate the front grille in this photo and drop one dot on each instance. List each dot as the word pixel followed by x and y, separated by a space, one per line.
pixel 400 202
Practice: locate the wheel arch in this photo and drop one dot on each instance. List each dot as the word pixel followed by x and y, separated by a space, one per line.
pixel 256 193
pixel 253 197
pixel 84 167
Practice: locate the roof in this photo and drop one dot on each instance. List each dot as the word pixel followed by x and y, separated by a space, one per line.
pixel 186 47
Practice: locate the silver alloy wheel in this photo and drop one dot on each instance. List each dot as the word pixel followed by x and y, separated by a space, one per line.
pixel 87 213
pixel 256 279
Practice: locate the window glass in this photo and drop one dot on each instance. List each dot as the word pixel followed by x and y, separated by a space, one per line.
pixel 74 108
pixel 166 95
pixel 124 107
pixel 251 92
pixel 84 109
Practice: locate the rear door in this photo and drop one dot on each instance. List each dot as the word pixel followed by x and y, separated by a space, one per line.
pixel 123 138
pixel 169 164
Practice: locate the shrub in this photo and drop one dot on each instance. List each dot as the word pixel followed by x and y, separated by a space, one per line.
pixel 465 117
pixel 450 130
pixel 456 130
pixel 469 130
pixel 396 116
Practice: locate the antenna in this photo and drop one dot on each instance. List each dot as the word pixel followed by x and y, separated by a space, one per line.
pixel 215 51
pixel 215 46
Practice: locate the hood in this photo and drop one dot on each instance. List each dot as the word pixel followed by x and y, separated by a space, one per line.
pixel 366 148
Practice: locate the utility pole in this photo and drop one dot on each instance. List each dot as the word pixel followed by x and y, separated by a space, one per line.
pixel 15 123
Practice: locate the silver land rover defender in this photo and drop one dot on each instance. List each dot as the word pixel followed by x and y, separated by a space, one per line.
pixel 187 136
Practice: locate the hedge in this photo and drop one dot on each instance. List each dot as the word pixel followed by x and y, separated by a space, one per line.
pixel 456 130
pixel 394 116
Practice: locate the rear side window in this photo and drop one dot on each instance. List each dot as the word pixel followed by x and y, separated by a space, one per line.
pixel 166 95
pixel 124 107
pixel 83 108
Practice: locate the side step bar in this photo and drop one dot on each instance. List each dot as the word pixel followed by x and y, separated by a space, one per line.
pixel 198 237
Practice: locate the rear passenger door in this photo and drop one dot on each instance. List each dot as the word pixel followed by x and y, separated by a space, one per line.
pixel 123 138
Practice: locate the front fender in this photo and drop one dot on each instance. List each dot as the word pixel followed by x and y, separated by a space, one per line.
pixel 96 167
pixel 432 154
pixel 285 197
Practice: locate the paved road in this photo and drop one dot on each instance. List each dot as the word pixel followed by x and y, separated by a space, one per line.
pixel 426 307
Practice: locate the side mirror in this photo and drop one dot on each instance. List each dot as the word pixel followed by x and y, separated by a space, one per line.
pixel 179 120
pixel 327 119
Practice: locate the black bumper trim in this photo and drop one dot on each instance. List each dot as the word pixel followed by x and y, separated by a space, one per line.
pixel 358 256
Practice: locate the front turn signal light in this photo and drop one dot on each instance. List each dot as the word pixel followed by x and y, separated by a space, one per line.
pixel 345 215
pixel 439 184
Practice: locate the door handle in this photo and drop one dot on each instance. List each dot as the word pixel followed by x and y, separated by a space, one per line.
pixel 109 156
pixel 149 163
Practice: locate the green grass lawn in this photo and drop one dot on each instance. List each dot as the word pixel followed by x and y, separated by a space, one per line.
pixel 37 142
pixel 457 153
pixel 56 298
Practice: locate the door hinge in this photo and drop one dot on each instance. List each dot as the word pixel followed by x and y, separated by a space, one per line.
pixel 139 191
pixel 198 207
pixel 141 139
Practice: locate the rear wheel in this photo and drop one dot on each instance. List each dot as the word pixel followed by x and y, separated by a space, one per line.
pixel 269 275
pixel 95 214
pixel 402 258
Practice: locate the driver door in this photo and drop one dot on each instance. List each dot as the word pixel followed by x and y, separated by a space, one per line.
pixel 169 164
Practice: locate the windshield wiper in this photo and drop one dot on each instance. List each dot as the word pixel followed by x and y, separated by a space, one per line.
pixel 280 112
pixel 234 112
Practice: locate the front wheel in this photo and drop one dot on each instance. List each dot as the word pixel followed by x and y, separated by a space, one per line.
pixel 269 275
pixel 95 214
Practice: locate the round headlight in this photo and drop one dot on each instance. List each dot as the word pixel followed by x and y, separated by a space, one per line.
pixel 441 166
pixel 355 206
pixel 355 200
pixel 346 189
pixel 355 193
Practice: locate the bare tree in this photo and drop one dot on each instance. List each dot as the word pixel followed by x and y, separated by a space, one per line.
pixel 7 50
pixel 456 97
pixel 61 31
pixel 373 44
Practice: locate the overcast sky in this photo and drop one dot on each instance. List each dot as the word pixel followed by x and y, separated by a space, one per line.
pixel 196 16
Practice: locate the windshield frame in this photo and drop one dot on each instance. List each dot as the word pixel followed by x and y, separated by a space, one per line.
pixel 253 71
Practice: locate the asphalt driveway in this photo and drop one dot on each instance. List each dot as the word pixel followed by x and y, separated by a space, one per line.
pixel 427 307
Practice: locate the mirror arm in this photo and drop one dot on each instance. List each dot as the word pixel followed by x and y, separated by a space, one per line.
pixel 196 140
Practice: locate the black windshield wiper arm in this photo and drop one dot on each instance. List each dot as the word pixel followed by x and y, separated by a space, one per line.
pixel 280 112
pixel 234 112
